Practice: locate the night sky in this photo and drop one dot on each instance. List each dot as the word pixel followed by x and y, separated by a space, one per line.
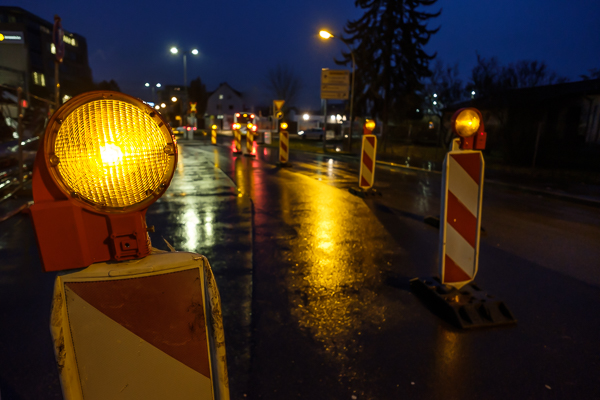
pixel 239 41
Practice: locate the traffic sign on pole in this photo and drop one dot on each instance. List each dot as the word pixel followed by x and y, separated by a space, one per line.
pixel 277 104
pixel 58 39
pixel 334 84
pixel 147 329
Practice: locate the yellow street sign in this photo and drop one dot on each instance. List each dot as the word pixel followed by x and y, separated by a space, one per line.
pixel 279 115
pixel 193 107
pixel 278 104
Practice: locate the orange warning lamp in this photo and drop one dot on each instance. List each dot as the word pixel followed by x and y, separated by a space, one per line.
pixel 468 124
pixel 214 127
pixel 369 127
pixel 249 125
pixel 283 125
pixel 236 126
pixel 106 157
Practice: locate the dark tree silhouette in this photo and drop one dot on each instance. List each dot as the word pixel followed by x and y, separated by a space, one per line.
pixel 388 43
pixel 488 77
pixel 594 73
pixel 197 94
pixel 283 83
pixel 446 84
pixel 108 85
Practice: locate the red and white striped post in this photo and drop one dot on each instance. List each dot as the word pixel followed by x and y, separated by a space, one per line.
pixel 462 192
pixel 284 144
pixel 213 135
pixel 368 160
pixel 237 135
pixel 368 157
pixel 250 151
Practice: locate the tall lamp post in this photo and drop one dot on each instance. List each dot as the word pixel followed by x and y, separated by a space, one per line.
pixel 175 50
pixel 326 35
pixel 147 84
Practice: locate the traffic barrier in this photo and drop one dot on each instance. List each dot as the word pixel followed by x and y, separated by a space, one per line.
pixel 284 145
pixel 460 216
pixel 454 295
pixel 368 157
pixel 250 151
pixel 368 160
pixel 238 141
pixel 149 328
pixel 213 135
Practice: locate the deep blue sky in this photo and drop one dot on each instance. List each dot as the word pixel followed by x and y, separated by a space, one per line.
pixel 240 40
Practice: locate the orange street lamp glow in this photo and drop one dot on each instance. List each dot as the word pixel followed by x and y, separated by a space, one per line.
pixel 325 34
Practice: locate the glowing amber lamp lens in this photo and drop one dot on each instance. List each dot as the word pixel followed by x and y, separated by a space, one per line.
pixel 284 125
pixel 467 123
pixel 370 125
pixel 111 153
pixel 214 127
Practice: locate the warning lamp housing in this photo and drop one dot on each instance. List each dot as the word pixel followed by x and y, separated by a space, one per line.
pixel 369 127
pixel 467 123
pixel 106 157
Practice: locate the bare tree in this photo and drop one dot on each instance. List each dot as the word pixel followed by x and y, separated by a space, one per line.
pixel 594 73
pixel 283 83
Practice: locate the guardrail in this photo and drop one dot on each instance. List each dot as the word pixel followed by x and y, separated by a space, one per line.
pixel 15 168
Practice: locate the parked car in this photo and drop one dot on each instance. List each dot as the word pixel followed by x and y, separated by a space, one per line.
pixel 316 133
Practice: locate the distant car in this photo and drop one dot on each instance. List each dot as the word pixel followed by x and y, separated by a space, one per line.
pixel 316 133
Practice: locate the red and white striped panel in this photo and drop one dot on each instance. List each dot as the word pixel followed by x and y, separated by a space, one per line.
pixel 284 147
pixel 367 162
pixel 461 217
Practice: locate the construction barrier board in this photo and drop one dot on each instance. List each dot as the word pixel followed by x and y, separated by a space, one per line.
pixel 460 216
pixel 368 159
pixel 284 147
pixel 142 329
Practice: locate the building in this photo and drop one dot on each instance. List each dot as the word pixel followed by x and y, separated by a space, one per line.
pixel 222 104
pixel 27 56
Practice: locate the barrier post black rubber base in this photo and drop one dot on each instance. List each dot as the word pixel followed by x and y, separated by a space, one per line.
pixel 467 308
pixel 284 165
pixel 360 192
pixel 237 153
pixel 249 155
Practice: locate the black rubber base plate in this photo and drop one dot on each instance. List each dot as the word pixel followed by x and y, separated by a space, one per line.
pixel 284 165
pixel 364 193
pixel 467 308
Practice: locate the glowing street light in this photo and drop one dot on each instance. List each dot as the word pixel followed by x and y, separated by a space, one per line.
pixel 306 117
pixel 147 84
pixel 327 35
pixel 174 99
pixel 174 50
pixel 163 105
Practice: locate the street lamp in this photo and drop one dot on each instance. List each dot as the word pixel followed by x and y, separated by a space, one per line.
pixel 147 84
pixel 175 50
pixel 326 35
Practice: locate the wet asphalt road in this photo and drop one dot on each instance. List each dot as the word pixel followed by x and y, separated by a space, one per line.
pixel 314 284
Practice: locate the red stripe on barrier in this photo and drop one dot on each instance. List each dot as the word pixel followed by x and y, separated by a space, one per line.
pixel 367 161
pixel 164 310
pixel 363 182
pixel 453 273
pixel 461 219
pixel 285 134
pixel 471 163
pixel 284 147
pixel 371 140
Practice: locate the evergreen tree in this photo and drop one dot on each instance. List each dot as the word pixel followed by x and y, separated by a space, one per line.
pixel 197 94
pixel 388 43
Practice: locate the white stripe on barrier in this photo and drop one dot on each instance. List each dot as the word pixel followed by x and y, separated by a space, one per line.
pixel 460 251
pixel 463 186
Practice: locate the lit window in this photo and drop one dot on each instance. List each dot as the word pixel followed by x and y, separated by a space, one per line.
pixel 52 48
pixel 220 97
pixel 39 79
pixel 69 40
